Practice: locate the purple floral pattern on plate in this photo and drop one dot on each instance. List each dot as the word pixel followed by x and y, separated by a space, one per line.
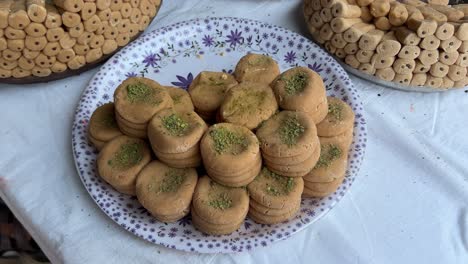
pixel 173 55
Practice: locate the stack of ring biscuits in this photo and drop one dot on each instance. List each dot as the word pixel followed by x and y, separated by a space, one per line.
pixel 41 38
pixel 261 141
pixel 409 42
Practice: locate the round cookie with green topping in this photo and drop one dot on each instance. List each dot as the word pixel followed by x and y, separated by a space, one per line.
pixel 166 192
pixel 181 98
pixel 137 99
pixel 299 89
pixel 217 209
pixel 321 189
pixel 273 216
pixel 248 104
pixel 332 163
pixel 287 134
pixel 227 147
pixel 339 119
pixel 120 161
pixel 257 68
pixel 103 126
pixel 208 90
pixel 275 191
pixel 175 132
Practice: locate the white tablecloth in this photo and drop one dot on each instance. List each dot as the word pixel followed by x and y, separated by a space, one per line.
pixel 409 203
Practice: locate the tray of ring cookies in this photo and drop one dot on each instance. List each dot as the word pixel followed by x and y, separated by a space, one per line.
pixel 409 45
pixel 42 40
pixel 213 141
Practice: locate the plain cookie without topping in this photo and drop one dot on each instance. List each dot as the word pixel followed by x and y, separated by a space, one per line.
pixel 256 68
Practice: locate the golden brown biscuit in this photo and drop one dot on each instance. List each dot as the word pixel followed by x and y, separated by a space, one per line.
pixel 213 229
pixel 208 90
pixel 320 189
pixel 287 134
pixel 181 99
pixel 299 89
pixel 275 191
pixel 166 192
pixel 256 68
pixel 340 118
pixel 120 161
pixel 270 219
pixel 137 99
pixel 248 104
pixel 102 125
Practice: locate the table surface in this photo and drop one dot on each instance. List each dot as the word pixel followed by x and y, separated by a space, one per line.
pixel 408 204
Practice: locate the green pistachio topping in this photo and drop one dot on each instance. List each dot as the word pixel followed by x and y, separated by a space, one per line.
pixel 217 82
pixel 335 111
pixel 226 140
pixel 175 125
pixel 177 99
pixel 109 121
pixel 173 180
pixel 290 130
pixel 141 93
pixel 248 102
pixel 328 153
pixel 222 202
pixel 281 185
pixel 296 83
pixel 128 155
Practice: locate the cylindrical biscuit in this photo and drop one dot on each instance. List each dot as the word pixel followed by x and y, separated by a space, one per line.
pixel 70 19
pixel 115 18
pixel 404 66
pixel 340 53
pixel 354 33
pixel 134 29
pixel 122 39
pixel 428 57
pixel 144 22
pixel 30 54
pixel 66 55
pixel 403 79
pixel 35 43
pixel 447 83
pixel 463 47
pixel 462 32
pixel 325 14
pixel 456 73
pixel 81 49
pixel 53 18
pixel 126 10
pixel 70 5
pixel 20 73
pixel 77 62
pixel 26 64
pixel 15 44
pixel 445 31
pixel 409 52
pixel 421 68
pixel 104 15
pixel 123 26
pixel 364 56
pixel 3 43
pixel 434 82
pixel 386 74
pixel 52 49
pixel 388 47
pixel 406 36
pixel 338 41
pixel 76 31
pixel 4 12
pixel 36 10
pixel 11 33
pixel 85 38
pixel 450 45
pixel 93 55
pixel 364 2
pixel 35 29
pixel 351 48
pixel 430 43
pixel 352 61
pixel 92 24
pixel 67 42
pixel 116 5
pixel 103 4
pixel 44 61
pixel 40 72
pixel 109 46
pixel 89 9
pixel 419 79
pixel 452 14
pixel 382 23
pixel 398 14
pixel 7 64
pixel 342 9
pixel 379 8
pixel 423 28
pixel 381 61
pixel 327 45
pixel 430 13
pixel 462 60
pixel 18 17
pixel 5 73
pixel 326 32
pixel 448 58
pixel 54 34
pixel 315 20
pixel 58 67
pixel 339 24
pixel 367 68
pixel 371 39
pixel 316 5
pixel 11 55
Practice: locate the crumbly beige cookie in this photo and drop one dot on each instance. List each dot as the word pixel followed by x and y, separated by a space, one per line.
pixel 267 211
pixel 270 219
pixel 208 90
pixel 174 132
pixel 181 99
pixel 340 118
pixel 102 125
pixel 300 89
pixel 166 192
pixel 320 189
pixel 275 191
pixel 248 104
pixel 120 161
pixel 217 205
pixel 287 134
pixel 237 181
pixel 137 99
pixel 227 147
pixel 256 68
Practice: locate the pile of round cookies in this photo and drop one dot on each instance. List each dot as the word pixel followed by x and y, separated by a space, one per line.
pixel 409 42
pixel 259 139
pixel 40 37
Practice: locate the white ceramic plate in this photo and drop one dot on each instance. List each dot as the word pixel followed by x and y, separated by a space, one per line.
pixel 174 55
